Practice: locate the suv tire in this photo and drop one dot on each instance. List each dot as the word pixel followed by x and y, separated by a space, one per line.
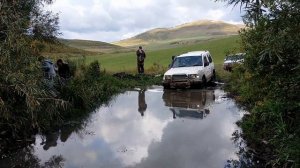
pixel 204 81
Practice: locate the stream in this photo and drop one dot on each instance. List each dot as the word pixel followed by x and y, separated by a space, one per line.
pixel 144 128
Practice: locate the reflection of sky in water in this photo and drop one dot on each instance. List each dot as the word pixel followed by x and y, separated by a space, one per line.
pixel 123 138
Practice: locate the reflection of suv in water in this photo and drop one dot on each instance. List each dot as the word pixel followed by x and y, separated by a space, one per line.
pixel 192 68
pixel 189 104
pixel 231 60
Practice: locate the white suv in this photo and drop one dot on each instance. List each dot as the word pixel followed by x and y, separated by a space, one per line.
pixel 190 69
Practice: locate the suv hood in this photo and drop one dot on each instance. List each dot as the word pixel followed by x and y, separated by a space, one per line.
pixel 233 61
pixel 229 61
pixel 184 70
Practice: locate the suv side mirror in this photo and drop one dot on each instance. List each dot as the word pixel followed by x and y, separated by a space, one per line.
pixel 206 64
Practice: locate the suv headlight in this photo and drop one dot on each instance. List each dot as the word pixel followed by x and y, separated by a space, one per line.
pixel 168 77
pixel 193 76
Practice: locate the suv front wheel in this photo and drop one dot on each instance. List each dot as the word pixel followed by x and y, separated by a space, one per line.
pixel 166 86
pixel 204 81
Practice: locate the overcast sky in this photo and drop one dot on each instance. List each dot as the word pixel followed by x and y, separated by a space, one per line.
pixel 112 20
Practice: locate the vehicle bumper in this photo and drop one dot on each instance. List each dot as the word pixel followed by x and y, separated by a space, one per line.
pixel 181 84
pixel 227 67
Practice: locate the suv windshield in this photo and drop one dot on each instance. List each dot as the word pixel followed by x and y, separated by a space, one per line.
pixel 187 61
pixel 234 57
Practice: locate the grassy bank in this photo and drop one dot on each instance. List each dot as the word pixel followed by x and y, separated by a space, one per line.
pixel 89 87
pixel 271 128
pixel 269 82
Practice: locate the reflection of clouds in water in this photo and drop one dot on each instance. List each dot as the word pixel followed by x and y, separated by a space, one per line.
pixel 122 138
pixel 79 154
pixel 156 90
pixel 194 144
pixel 120 134
pixel 136 133
pixel 221 96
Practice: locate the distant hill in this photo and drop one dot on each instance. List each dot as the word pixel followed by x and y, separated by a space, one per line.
pixel 193 30
pixel 61 49
pixel 93 46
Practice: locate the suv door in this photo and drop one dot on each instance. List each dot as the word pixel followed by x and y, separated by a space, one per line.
pixel 211 64
pixel 207 69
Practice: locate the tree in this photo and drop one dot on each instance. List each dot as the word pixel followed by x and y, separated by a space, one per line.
pixel 270 80
pixel 23 97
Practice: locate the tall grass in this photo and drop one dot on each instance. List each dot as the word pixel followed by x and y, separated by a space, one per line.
pixel 272 128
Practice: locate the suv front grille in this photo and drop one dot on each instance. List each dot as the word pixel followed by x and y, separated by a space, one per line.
pixel 179 77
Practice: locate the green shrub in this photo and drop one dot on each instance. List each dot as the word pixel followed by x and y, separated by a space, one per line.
pixel 269 82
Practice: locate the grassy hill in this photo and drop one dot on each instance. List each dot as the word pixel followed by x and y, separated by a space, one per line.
pixel 204 29
pixel 59 50
pixel 93 46
pixel 127 61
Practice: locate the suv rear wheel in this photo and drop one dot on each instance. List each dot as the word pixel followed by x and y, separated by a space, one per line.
pixel 213 77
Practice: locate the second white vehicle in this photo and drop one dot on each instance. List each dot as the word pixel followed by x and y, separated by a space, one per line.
pixel 190 69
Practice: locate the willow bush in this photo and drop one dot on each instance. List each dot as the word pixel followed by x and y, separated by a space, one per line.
pixel 269 82
pixel 24 101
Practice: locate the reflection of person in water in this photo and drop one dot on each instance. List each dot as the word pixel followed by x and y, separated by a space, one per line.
pixel 174 113
pixel 206 111
pixel 51 140
pixel 66 133
pixel 142 103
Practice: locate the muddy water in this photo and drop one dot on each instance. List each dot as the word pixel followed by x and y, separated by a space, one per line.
pixel 142 128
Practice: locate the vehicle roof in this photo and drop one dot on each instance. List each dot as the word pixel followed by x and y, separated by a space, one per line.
pixel 193 53
pixel 237 54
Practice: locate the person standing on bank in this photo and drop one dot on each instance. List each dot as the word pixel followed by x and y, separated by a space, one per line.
pixel 141 56
pixel 63 69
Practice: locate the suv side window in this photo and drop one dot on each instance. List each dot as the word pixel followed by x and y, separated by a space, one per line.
pixel 205 60
pixel 209 58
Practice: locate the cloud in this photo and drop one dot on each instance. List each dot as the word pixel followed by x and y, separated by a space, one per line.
pixel 111 20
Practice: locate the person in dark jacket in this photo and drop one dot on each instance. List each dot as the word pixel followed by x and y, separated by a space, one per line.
pixel 141 55
pixel 63 69
pixel 48 69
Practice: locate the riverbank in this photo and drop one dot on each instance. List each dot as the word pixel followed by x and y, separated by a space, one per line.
pixel 270 129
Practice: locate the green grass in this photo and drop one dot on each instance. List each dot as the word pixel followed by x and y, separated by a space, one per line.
pixel 127 61
pixel 94 46
pixel 60 50
pixel 181 42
